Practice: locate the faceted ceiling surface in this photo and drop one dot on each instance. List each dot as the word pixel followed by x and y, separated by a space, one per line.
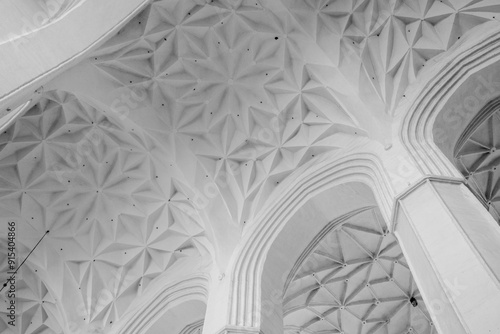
pixel 356 280
pixel 478 159
pixel 189 119
pixel 248 91
pixel 115 224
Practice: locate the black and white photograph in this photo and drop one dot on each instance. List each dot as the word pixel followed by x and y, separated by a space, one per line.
pixel 249 166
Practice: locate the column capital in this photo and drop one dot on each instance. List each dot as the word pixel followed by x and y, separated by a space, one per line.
pixel 413 187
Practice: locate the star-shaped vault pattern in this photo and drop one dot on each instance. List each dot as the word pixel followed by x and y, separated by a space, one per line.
pixel 478 159
pixel 380 45
pixel 234 96
pixel 356 280
pixel 230 79
pixel 255 89
pixel 116 220
pixel 37 310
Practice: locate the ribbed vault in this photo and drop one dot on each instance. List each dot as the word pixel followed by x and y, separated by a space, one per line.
pixel 478 159
pixel 115 224
pixel 355 280
pixel 254 89
pixel 179 128
pixel 226 83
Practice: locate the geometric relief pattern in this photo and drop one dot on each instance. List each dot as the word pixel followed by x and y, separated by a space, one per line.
pixel 478 159
pixel 355 280
pixel 381 45
pixel 230 80
pixel 36 307
pixel 257 88
pixel 116 220
pixel 241 93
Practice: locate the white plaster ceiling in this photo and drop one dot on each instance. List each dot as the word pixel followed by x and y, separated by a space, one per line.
pixel 478 159
pixel 254 89
pixel 186 318
pixel 115 224
pixel 57 8
pixel 192 115
pixel 34 14
pixel 356 280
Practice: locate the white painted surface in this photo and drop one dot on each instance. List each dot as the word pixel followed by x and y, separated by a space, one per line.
pixel 435 229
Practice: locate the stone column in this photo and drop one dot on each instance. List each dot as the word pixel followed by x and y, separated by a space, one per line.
pixel 452 245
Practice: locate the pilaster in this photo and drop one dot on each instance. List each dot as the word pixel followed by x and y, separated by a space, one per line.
pixel 452 245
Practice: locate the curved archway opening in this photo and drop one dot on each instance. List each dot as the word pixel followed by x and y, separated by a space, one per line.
pixel 297 235
pixel 467 132
pixel 335 266
pixel 354 278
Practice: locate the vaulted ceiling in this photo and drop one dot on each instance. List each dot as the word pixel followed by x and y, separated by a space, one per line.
pixel 477 157
pixel 115 224
pixel 163 145
pixel 355 280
